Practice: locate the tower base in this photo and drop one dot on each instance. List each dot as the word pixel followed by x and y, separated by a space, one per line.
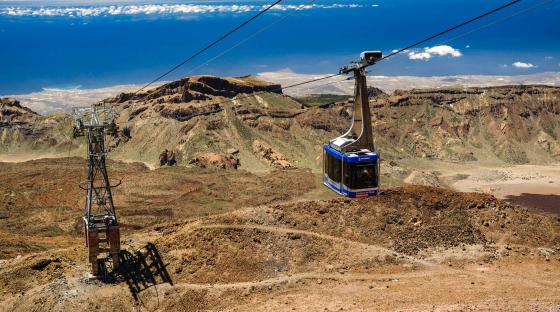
pixel 102 239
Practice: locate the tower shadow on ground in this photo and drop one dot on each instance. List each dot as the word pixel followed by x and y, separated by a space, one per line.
pixel 140 270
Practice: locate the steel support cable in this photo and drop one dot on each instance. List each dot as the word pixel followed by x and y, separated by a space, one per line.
pixel 393 53
pixel 491 23
pixel 280 89
pixel 213 43
pixel 408 47
pixel 333 75
pixel 449 29
pixel 249 38
pixel 498 21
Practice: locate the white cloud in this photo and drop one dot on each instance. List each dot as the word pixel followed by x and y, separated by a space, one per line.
pixel 549 57
pixel 444 50
pixel 419 56
pixel 522 65
pixel 156 9
pixel 428 53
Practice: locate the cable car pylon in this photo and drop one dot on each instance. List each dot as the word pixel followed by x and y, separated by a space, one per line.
pixel 100 220
pixel 350 162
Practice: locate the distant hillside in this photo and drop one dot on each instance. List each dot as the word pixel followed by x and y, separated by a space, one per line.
pixel 207 120
pixel 515 124
pixel 193 117
pixel 23 130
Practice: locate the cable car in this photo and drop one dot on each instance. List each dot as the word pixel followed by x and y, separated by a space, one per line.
pixel 350 163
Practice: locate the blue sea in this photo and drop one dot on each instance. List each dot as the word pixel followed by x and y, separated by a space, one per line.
pixel 66 44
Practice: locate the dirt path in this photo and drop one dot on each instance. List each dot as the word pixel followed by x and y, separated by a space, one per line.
pixel 19 158
pixel 532 186
pixel 503 181
pixel 506 285
pixel 374 249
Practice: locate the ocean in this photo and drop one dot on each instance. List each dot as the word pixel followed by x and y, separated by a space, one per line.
pixel 76 44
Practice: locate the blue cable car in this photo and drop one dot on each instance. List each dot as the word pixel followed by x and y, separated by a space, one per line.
pixel 350 163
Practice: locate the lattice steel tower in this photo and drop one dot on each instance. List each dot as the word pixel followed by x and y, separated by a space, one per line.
pixel 100 221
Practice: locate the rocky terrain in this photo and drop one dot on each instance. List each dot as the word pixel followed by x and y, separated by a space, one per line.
pixel 436 250
pixel 24 131
pixel 516 124
pixel 242 223
pixel 203 114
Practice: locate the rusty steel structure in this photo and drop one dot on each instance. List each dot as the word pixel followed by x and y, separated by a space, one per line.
pixel 102 234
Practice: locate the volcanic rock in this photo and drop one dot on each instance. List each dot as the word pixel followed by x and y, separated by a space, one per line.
pixel 273 157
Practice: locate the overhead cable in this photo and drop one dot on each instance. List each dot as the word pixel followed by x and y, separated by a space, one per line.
pixel 224 36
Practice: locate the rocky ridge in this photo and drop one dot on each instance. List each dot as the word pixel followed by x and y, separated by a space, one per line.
pixel 12 111
pixel 208 115
pixel 517 124
pixel 23 130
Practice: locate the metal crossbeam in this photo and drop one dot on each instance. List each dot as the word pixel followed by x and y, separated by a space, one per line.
pixel 95 123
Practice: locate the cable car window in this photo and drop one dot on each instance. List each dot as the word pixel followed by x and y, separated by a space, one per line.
pixel 360 176
pixel 334 167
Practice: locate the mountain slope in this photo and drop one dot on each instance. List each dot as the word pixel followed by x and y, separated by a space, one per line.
pixel 512 124
pixel 204 115
pixel 24 131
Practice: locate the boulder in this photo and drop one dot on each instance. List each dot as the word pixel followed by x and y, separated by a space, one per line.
pixel 273 157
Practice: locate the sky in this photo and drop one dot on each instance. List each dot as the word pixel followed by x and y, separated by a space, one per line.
pixel 85 44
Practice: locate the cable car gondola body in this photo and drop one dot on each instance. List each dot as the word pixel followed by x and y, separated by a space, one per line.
pixel 350 163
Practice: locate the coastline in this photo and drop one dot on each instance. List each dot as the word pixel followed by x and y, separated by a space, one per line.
pixel 52 100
